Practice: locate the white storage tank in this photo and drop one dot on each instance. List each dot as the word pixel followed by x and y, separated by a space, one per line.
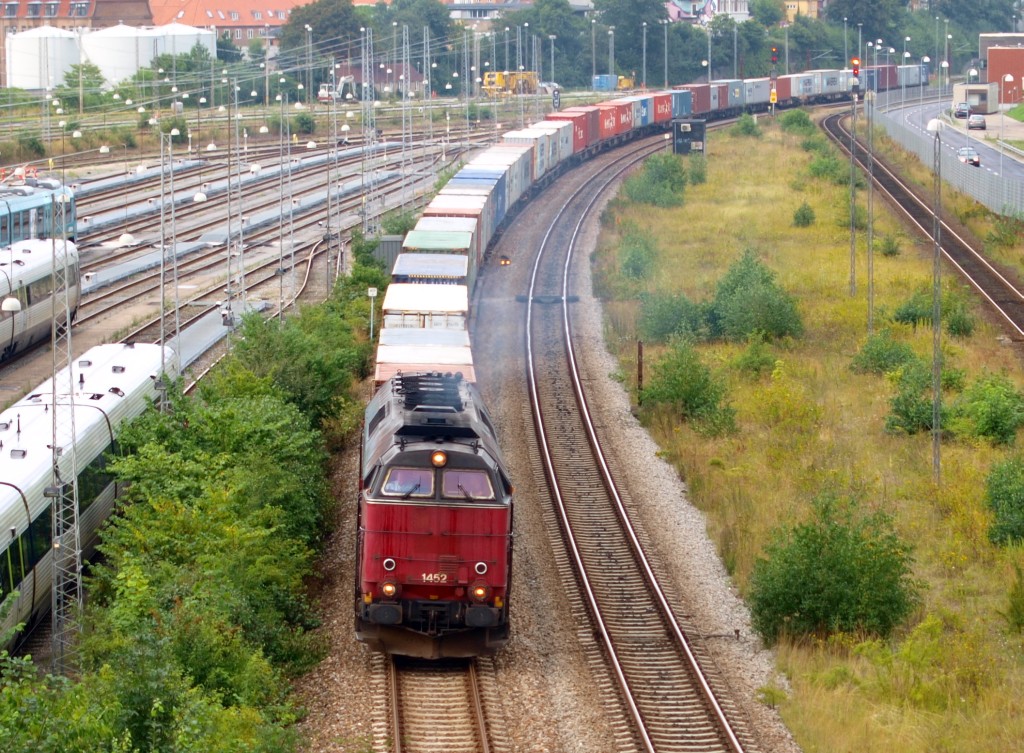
pixel 178 39
pixel 118 51
pixel 39 58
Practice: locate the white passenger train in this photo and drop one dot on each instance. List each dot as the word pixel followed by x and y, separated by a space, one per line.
pixel 112 384
pixel 26 290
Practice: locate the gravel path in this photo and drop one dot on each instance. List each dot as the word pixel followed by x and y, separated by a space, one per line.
pixel 546 695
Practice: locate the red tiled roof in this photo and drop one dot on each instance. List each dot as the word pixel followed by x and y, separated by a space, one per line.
pixel 218 13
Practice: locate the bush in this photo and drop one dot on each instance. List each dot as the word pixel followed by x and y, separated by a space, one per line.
pixel 757 358
pixel 639 251
pixel 911 408
pixel 991 408
pixel 660 183
pixel 748 301
pixel 804 215
pixel 1014 614
pixel 826 165
pixel 797 121
pixel 917 310
pixel 839 572
pixel 665 314
pixel 890 246
pixel 304 123
pixel 746 126
pixel 697 169
pixel 685 387
pixel 881 354
pixel 957 315
pixel 1004 495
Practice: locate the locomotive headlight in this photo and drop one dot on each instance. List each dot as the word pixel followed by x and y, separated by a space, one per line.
pixel 479 592
pixel 439 458
pixel 389 589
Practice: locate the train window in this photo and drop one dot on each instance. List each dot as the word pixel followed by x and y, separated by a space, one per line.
pixel 93 480
pixel 40 537
pixel 409 482
pixel 462 484
pixel 12 566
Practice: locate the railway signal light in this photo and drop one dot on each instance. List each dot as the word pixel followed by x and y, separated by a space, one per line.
pixel 775 55
pixel 855 63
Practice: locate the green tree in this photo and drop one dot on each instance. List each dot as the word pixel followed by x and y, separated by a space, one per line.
pixel 768 12
pixel 82 89
pixel 1004 495
pixel 684 387
pixel 749 300
pixel 841 571
pixel 991 408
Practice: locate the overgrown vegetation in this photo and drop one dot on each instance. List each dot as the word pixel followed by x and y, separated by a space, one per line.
pixel 661 182
pixel 840 572
pixel 198 615
pixel 811 414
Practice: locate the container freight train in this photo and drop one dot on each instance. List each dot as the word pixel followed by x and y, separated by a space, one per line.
pixel 434 550
pixel 113 384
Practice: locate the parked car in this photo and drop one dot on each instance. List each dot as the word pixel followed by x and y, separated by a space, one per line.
pixel 969 156
pixel 962 110
pixel 976 121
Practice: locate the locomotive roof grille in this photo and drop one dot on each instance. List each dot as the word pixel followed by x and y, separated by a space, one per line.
pixel 430 392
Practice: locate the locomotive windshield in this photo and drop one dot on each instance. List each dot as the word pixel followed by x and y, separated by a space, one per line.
pixel 463 484
pixel 409 482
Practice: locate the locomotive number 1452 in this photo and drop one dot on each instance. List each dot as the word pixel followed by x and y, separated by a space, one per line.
pixel 435 577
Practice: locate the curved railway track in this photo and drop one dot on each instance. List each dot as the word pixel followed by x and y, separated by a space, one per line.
pixel 662 678
pixel 1000 287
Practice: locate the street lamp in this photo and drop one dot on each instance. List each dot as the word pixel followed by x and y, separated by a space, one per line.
pixel 903 78
pixel 593 58
pixel 1007 78
pixel 935 126
pixel 552 37
pixel 925 61
pixel 664 23
pixel 971 75
pixel 611 55
pixel 643 77
pixel 846 47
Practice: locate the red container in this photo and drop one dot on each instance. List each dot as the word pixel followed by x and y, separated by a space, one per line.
pixel 581 131
pixel 701 98
pixel 662 107
pixel 616 118
pixel 783 89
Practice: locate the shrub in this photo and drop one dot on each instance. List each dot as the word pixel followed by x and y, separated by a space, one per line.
pixel 685 387
pixel 660 182
pixel 911 408
pixel 826 165
pixel 839 572
pixel 1014 614
pixel 916 310
pixel 666 314
pixel 304 123
pixel 697 169
pixel 748 300
pixel 804 215
pixel 639 251
pixel 1004 495
pixel 889 246
pixel 881 354
pixel 957 315
pixel 757 358
pixel 31 145
pixel 746 126
pixel 991 408
pixel 797 121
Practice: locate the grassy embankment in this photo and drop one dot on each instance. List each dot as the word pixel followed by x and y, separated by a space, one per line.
pixel 953 679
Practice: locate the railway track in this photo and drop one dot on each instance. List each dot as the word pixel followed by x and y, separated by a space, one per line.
pixel 421 694
pixel 663 685
pixel 1001 288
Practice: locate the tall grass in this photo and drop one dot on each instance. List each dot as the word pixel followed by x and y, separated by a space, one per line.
pixel 952 678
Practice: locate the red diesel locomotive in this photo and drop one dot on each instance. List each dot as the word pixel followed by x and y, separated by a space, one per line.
pixel 434 543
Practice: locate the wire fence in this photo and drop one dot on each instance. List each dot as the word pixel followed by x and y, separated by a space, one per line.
pixel 999 194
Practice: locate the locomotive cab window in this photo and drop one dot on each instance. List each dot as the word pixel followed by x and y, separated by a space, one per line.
pixel 409 482
pixel 463 484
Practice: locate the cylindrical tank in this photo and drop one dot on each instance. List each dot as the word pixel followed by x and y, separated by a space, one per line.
pixel 177 39
pixel 118 51
pixel 39 58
